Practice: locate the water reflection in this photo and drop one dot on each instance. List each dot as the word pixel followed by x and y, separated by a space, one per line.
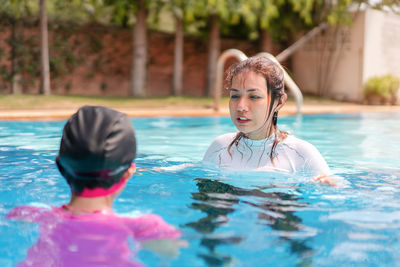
pixel 274 209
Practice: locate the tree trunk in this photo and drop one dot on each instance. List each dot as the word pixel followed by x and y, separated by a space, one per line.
pixel 16 78
pixel 178 58
pixel 44 51
pixel 213 53
pixel 139 60
pixel 265 41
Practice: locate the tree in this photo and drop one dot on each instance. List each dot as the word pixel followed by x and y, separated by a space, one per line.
pixel 178 57
pixel 122 13
pixel 139 60
pixel 44 51
pixel 214 12
pixel 223 14
pixel 214 48
pixel 177 7
pixel 15 11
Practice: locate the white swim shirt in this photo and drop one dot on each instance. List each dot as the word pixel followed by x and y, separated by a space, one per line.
pixel 292 155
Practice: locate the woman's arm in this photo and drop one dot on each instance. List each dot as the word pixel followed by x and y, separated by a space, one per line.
pixel 316 164
pixel 164 247
pixel 322 178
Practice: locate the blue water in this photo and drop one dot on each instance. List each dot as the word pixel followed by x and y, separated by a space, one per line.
pixel 232 219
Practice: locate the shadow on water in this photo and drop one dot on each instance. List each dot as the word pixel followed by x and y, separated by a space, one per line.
pixel 276 210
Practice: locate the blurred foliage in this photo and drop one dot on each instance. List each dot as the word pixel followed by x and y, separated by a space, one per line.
pixel 276 16
pixel 385 86
pixel 18 8
pixel 20 19
pixel 284 20
pixel 389 5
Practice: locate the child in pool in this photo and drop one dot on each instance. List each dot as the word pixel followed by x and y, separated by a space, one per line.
pixel 96 156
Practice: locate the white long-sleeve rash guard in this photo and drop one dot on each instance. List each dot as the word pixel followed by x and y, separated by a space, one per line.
pixel 292 155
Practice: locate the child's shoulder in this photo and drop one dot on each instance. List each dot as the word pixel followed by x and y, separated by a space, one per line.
pixel 144 220
pixel 28 213
pixel 151 226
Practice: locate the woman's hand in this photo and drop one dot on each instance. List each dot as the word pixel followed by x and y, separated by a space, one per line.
pixel 322 178
pixel 165 247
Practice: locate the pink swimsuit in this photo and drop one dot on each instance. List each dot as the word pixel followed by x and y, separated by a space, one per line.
pixel 96 239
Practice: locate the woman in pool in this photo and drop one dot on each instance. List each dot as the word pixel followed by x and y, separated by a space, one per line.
pixel 256 88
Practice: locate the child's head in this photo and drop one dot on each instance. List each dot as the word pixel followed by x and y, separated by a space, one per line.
pixel 97 148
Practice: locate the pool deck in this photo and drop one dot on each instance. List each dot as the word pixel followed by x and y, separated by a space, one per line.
pixel 309 107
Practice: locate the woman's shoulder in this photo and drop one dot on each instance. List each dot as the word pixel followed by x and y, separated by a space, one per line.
pixel 219 144
pixel 294 140
pixel 224 139
pixel 298 144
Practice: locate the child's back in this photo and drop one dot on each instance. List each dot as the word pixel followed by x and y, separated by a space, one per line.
pixel 96 239
pixel 96 154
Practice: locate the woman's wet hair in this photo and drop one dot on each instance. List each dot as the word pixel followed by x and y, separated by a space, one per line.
pixel 274 77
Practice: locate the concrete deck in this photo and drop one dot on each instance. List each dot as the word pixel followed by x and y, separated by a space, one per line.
pixel 289 108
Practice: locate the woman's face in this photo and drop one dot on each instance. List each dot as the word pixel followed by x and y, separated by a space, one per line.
pixel 249 103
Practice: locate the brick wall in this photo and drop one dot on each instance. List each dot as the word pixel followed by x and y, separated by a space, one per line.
pixel 105 59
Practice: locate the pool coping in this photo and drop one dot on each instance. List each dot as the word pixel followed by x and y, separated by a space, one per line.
pixel 288 109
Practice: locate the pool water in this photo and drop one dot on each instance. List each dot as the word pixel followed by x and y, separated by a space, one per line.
pixel 227 218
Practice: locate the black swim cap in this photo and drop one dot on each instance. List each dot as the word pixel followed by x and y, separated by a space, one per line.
pixel 98 144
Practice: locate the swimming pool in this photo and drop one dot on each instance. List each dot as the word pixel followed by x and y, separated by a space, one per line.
pixel 232 219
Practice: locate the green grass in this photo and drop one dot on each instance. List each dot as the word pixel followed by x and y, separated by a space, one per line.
pixel 61 102
pixel 18 102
